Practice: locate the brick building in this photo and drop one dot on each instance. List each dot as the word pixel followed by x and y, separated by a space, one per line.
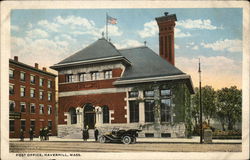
pixel 31 99
pixel 105 87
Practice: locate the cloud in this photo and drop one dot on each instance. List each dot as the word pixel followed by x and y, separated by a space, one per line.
pixel 150 29
pixel 44 51
pixel 37 33
pixel 75 21
pixel 196 47
pixel 29 25
pixel 49 25
pixel 15 28
pixel 180 34
pixel 234 45
pixel 128 44
pixel 197 24
pixel 217 71
pixel 176 46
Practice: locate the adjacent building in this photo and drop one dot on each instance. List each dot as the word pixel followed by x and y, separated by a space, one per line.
pixel 31 99
pixel 105 87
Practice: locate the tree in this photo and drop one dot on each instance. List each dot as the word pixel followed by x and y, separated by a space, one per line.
pixel 229 106
pixel 208 102
pixel 195 106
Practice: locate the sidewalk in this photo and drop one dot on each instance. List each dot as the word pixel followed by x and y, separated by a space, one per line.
pixel 143 140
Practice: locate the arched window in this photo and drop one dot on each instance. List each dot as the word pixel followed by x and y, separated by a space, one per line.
pixel 105 110
pixel 72 112
pixel 11 106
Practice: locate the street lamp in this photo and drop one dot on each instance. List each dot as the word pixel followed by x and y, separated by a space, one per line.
pixel 201 134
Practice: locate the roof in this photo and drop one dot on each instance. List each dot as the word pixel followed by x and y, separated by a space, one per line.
pixel 20 64
pixel 146 63
pixel 97 50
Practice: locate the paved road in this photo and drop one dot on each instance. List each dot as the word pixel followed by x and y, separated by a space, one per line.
pixel 49 146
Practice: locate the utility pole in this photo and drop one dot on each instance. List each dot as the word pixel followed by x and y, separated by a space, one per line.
pixel 201 127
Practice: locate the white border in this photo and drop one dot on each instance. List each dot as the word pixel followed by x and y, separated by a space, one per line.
pixel 6 6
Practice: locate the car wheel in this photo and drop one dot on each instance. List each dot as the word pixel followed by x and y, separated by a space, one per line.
pixel 126 139
pixel 102 139
pixel 133 140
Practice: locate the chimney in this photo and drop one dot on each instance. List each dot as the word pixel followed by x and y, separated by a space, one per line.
pixel 44 69
pixel 36 65
pixel 16 58
pixel 166 26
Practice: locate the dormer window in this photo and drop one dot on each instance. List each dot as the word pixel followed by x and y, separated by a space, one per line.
pixel 95 75
pixel 107 74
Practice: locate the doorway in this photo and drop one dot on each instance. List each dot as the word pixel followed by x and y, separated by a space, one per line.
pixel 89 116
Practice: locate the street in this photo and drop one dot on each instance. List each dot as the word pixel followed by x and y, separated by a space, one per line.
pixel 91 146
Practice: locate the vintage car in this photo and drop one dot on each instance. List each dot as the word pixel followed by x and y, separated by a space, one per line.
pixel 118 136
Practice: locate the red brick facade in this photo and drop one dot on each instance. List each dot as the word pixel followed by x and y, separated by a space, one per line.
pixel 40 120
pixel 166 38
pixel 115 101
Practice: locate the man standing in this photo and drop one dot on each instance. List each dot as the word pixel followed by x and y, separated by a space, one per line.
pixel 96 134
pixel 31 134
pixel 21 135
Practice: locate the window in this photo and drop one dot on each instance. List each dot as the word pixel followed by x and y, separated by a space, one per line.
pixel 50 124
pixel 22 107
pixel 22 76
pixel 94 75
pixel 22 91
pixel 32 79
pixel 133 94
pixel 41 82
pixel 41 109
pixel 23 125
pixel 12 106
pixel 32 92
pixel 81 77
pixel 49 109
pixel 72 112
pixel 11 89
pixel 133 111
pixel 11 73
pixel 41 94
pixel 49 96
pixel 33 125
pixel 70 78
pixel 149 110
pixel 107 74
pixel 32 108
pixel 49 83
pixel 165 92
pixel 149 93
pixel 105 111
pixel 165 110
pixel 12 125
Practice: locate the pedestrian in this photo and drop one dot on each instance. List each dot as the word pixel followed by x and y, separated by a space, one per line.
pixel 96 134
pixel 41 134
pixel 46 133
pixel 85 133
pixel 31 134
pixel 21 135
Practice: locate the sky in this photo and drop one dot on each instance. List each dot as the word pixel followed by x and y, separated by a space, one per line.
pixel 213 35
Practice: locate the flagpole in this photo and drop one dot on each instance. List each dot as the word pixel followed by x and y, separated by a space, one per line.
pixel 106 25
pixel 201 126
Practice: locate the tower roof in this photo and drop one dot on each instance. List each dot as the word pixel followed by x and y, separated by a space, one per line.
pixel 97 50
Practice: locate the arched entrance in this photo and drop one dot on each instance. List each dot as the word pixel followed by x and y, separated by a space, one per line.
pixel 89 116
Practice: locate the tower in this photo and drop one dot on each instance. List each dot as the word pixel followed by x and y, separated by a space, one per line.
pixel 166 26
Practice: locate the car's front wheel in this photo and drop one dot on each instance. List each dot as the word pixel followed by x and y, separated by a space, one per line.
pixel 102 139
pixel 126 140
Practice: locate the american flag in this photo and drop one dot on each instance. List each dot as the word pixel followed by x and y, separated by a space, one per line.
pixel 111 20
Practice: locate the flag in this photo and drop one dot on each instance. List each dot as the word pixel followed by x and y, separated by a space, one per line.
pixel 111 20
